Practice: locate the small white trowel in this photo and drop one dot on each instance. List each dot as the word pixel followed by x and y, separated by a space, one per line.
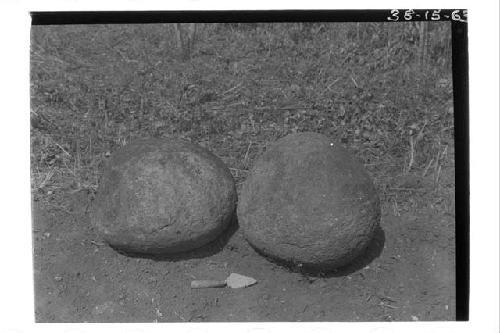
pixel 234 281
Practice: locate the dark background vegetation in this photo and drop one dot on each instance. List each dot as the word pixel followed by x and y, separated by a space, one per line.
pixel 383 89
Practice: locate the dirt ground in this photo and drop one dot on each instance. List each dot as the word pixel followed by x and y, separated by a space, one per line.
pixel 408 273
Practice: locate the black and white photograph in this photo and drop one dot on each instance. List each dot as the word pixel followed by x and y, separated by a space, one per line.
pixel 249 170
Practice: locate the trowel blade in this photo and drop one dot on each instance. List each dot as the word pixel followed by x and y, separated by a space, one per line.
pixel 235 280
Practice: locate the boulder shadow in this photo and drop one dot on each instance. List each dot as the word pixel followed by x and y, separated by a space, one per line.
pixel 372 251
pixel 207 250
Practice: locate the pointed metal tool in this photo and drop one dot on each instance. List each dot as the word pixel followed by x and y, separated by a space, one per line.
pixel 234 281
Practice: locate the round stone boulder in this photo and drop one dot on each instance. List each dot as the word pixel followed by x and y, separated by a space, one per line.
pixel 308 202
pixel 161 196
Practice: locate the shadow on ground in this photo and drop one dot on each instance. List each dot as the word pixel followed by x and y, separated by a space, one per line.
pixel 373 251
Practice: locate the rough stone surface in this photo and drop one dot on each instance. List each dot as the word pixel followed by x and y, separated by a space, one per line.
pixel 163 196
pixel 308 201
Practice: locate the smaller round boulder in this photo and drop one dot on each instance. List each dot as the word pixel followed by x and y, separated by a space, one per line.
pixel 161 196
pixel 307 201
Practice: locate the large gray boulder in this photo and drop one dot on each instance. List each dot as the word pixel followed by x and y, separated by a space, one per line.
pixel 307 201
pixel 163 196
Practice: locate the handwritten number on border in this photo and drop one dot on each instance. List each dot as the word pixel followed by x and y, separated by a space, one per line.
pixel 433 15
pixel 409 14
pixel 394 15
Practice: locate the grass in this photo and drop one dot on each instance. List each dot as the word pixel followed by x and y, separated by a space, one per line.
pixel 97 87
